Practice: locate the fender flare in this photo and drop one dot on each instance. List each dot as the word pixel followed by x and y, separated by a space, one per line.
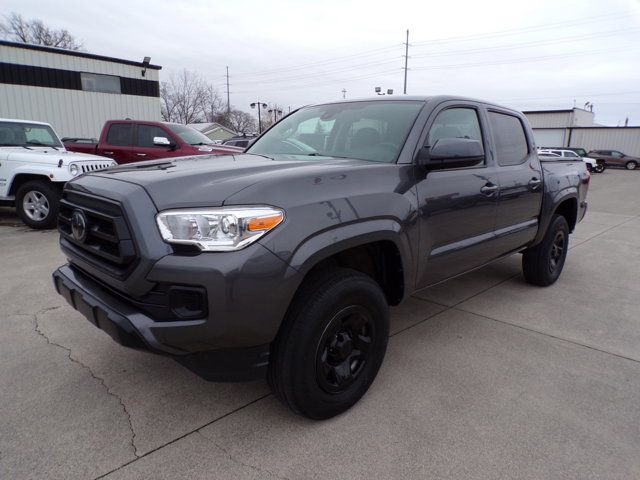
pixel 569 193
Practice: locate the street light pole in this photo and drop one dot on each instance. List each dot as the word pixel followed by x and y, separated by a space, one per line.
pixel 263 105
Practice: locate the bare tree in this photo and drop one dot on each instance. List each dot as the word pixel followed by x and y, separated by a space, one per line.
pixel 185 98
pixel 16 28
pixel 238 121
pixel 213 107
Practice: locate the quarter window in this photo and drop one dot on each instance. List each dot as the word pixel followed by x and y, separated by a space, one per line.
pixel 510 139
pixel 120 134
pixel 95 82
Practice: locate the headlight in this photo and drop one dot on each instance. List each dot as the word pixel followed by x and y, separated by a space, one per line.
pixel 73 169
pixel 218 229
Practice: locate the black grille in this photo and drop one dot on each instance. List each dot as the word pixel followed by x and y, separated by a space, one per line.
pixel 108 244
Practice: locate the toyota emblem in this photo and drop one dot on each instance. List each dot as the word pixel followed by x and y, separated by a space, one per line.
pixel 79 225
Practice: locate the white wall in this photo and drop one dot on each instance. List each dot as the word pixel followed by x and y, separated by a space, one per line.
pixel 74 113
pixel 549 120
pixel 627 140
pixel 549 137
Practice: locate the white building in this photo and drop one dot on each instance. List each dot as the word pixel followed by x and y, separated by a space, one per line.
pixel 576 128
pixel 76 92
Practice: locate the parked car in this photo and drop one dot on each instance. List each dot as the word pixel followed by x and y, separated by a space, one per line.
pixel 242 142
pixel 592 164
pixel 580 151
pixel 283 261
pixel 34 166
pixel 129 141
pixel 616 158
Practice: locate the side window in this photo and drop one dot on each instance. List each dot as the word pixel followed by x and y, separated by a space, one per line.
pixel 616 154
pixel 120 134
pixel 511 141
pixel 455 123
pixel 146 134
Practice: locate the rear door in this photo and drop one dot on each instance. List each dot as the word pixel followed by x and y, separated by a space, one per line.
pixel 118 142
pixel 145 149
pixel 457 206
pixel 520 178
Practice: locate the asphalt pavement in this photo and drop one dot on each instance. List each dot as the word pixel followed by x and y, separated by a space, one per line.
pixel 486 377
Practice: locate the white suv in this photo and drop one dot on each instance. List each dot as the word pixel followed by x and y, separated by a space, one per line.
pixel 34 165
pixel 592 164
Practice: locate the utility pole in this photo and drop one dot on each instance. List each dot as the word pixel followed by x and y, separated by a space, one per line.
pixel 228 102
pixel 406 61
pixel 344 93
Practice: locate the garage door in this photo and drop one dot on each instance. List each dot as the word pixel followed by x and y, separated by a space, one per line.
pixel 549 137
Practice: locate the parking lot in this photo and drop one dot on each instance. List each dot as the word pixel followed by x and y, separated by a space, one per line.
pixel 485 377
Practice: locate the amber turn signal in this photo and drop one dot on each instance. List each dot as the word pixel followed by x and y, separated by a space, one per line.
pixel 264 223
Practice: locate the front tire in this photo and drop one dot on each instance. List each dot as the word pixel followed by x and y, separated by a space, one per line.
pixel 542 264
pixel 631 165
pixel 37 204
pixel 599 168
pixel 331 344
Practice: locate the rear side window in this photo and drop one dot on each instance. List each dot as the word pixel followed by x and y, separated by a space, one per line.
pixel 511 141
pixel 146 133
pixel 120 134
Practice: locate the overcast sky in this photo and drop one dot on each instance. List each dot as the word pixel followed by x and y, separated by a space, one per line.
pixel 525 54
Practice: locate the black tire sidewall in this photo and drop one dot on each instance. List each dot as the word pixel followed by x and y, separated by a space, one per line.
pixel 52 195
pixel 559 224
pixel 303 392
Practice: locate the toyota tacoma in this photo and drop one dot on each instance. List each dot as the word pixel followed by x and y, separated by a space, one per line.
pixel 281 262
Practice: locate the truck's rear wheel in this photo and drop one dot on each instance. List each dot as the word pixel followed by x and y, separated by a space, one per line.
pixel 543 263
pixel 331 344
pixel 37 204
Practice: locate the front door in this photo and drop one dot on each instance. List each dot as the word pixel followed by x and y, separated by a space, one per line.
pixel 145 149
pixel 458 205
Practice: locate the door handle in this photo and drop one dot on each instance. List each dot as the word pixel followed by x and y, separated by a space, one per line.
pixel 108 153
pixel 534 183
pixel 141 154
pixel 489 189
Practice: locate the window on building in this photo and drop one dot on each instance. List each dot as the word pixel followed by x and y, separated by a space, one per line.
pixel 511 141
pixel 96 82
pixel 120 134
pixel 146 134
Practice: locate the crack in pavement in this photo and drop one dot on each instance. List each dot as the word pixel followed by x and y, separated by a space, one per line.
pixel 39 331
pixel 240 462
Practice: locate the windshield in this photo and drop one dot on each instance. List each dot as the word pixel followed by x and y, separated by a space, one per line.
pixel 20 134
pixel 190 135
pixel 374 131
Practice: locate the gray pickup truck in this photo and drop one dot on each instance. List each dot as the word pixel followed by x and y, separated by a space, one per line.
pixel 282 261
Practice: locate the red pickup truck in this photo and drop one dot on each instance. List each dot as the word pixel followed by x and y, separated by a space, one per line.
pixel 128 141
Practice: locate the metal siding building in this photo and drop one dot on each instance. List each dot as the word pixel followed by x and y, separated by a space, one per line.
pixel 75 92
pixel 576 128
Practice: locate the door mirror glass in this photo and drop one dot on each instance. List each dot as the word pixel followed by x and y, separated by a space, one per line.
pixel 161 141
pixel 451 153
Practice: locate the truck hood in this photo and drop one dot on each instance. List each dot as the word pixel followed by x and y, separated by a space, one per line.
pixel 207 180
pixel 46 155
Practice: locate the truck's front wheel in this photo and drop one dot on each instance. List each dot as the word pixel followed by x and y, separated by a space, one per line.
pixel 331 344
pixel 37 203
pixel 543 263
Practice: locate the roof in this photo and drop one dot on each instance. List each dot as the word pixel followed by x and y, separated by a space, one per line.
pixel 17 120
pixel 209 127
pixel 75 53
pixel 566 110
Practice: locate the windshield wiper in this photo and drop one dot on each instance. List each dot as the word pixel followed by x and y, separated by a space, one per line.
pixel 258 155
pixel 318 154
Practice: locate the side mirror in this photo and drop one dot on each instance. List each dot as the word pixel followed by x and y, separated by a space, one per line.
pixel 451 153
pixel 162 142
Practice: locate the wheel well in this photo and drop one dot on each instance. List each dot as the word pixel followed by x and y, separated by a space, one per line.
pixel 22 178
pixel 569 210
pixel 380 260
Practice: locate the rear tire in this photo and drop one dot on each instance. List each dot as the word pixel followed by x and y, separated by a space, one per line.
pixel 542 264
pixel 331 344
pixel 37 203
pixel 631 165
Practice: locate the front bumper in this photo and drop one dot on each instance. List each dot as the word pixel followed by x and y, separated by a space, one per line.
pixel 118 319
